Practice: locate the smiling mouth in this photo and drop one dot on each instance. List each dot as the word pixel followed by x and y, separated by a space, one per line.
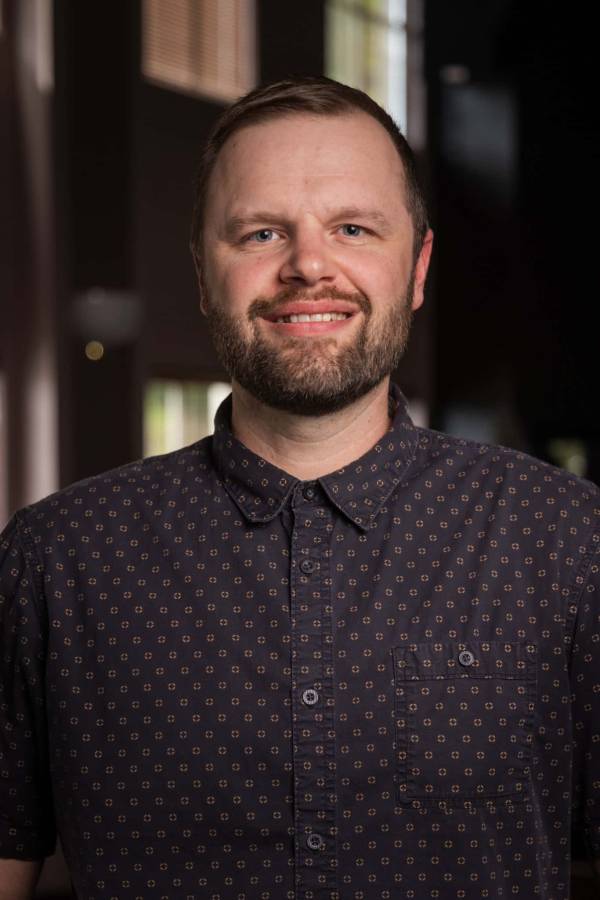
pixel 304 325
pixel 314 317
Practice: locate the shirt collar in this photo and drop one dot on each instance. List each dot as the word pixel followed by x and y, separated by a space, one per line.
pixel 359 489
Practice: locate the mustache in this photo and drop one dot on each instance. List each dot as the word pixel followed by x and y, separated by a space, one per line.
pixel 263 306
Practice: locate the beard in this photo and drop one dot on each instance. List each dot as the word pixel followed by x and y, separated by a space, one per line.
pixel 310 376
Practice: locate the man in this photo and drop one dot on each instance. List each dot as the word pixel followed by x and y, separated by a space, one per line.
pixel 323 653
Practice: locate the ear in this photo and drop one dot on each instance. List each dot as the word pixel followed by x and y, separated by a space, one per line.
pixel 202 299
pixel 421 267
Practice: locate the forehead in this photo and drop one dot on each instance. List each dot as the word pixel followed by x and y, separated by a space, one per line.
pixel 302 157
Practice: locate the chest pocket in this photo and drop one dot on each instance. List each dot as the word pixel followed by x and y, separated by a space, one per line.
pixel 464 720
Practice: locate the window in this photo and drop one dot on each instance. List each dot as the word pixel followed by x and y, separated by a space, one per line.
pixel 570 454
pixel 207 47
pixel 177 413
pixel 366 48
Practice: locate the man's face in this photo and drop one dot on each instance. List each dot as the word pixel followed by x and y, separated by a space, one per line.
pixel 306 215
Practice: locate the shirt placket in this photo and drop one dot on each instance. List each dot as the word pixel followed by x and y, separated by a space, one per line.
pixel 313 696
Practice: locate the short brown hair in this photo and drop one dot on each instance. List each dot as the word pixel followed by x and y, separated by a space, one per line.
pixel 312 95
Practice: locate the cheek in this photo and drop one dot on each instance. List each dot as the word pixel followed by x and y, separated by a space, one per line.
pixel 378 276
pixel 238 283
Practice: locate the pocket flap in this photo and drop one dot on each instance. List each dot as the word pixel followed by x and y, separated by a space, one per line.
pixel 468 659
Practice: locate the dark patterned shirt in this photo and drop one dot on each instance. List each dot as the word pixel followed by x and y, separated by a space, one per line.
pixel 219 681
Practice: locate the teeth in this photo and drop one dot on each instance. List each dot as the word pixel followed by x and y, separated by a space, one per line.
pixel 315 317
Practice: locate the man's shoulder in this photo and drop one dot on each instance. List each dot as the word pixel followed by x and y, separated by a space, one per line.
pixel 495 464
pixel 141 481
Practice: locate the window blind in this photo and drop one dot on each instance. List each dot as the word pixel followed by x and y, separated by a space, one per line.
pixel 206 47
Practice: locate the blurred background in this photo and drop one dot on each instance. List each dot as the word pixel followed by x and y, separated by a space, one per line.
pixel 103 109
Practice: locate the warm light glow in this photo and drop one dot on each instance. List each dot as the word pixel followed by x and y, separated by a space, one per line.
pixel 94 350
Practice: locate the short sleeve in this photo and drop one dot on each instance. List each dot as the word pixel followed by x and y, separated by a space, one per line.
pixel 585 707
pixel 27 829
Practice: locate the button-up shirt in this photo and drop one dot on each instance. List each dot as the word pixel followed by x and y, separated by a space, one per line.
pixel 220 681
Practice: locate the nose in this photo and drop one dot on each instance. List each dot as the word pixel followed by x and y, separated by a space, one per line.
pixel 308 260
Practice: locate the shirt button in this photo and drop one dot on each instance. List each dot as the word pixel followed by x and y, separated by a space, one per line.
pixel 307 566
pixel 309 493
pixel 310 697
pixel 315 841
pixel 466 658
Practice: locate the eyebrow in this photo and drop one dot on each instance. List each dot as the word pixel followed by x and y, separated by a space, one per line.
pixel 349 213
pixel 234 224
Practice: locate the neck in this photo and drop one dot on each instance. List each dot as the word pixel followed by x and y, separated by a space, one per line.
pixel 308 447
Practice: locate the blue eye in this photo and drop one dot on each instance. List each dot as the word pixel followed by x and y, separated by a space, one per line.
pixel 259 235
pixel 353 230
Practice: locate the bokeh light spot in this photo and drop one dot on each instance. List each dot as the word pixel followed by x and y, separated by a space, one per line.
pixel 94 350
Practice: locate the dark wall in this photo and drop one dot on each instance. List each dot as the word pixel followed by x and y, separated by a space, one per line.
pixel 513 158
pixel 100 415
